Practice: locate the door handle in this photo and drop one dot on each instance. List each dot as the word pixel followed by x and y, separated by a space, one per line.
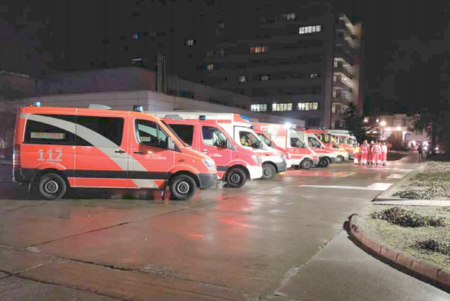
pixel 120 151
pixel 139 153
pixel 205 150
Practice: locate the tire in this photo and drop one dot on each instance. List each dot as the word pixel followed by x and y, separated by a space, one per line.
pixel 340 159
pixel 182 187
pixel 51 186
pixel 324 162
pixel 236 178
pixel 306 164
pixel 269 171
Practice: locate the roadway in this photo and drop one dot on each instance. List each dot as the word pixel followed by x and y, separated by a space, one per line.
pixel 271 240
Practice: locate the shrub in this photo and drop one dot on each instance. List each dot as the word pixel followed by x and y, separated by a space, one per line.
pixel 404 218
pixel 434 246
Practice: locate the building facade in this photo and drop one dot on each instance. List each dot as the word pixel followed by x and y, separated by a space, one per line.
pixel 306 69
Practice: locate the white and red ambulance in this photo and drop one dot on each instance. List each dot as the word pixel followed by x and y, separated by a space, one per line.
pixel 239 128
pixel 326 156
pixel 345 140
pixel 235 164
pixel 331 144
pixel 60 148
pixel 285 138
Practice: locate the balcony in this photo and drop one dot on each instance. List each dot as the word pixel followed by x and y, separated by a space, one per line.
pixel 341 100
pixel 341 69
pixel 342 85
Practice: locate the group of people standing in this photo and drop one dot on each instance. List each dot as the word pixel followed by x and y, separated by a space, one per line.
pixel 374 153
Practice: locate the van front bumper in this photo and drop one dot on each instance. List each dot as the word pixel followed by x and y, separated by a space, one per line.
pixel 256 172
pixel 281 166
pixel 207 180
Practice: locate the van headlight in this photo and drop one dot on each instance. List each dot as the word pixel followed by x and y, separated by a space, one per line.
pixel 210 164
pixel 257 159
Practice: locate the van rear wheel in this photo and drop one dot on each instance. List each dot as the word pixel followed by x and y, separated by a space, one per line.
pixel 182 187
pixel 52 186
pixel 340 159
pixel 269 171
pixel 236 178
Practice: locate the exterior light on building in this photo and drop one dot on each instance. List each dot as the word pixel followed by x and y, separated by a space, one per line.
pixel 366 119
pixel 378 120
pixel 383 123
pixel 399 128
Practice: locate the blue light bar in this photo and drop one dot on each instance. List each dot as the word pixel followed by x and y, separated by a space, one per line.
pixel 252 127
pixel 138 109
pixel 246 118
pixel 202 117
pixel 37 104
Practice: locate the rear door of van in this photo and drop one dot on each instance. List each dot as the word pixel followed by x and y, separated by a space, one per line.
pixel 101 159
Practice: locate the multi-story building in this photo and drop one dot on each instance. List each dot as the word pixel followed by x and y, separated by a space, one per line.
pixel 302 68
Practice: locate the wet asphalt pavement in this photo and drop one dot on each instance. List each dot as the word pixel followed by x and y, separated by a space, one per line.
pixel 274 240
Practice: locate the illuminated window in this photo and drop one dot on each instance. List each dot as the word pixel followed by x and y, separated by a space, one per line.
pixel 289 16
pixel 308 106
pixel 314 75
pixel 309 29
pixel 221 52
pixel 242 78
pixel 264 77
pixel 258 107
pixel 281 107
pixel 136 36
pixel 210 66
pixel 190 42
pixel 259 49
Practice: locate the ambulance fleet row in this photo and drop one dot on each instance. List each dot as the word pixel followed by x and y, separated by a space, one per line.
pixel 60 148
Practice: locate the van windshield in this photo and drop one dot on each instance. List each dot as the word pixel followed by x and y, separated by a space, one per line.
pixel 265 139
pixel 314 142
pixel 250 140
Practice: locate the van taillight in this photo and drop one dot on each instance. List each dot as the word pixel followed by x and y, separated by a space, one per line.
pixel 16 156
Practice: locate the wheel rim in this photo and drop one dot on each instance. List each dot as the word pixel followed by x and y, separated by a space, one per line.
pixel 307 164
pixel 267 172
pixel 323 163
pixel 235 178
pixel 183 187
pixel 51 187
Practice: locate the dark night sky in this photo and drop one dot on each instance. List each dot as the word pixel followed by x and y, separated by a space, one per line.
pixel 406 57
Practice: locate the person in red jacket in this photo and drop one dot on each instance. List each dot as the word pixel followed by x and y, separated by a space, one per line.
pixel 384 150
pixel 370 154
pixel 364 152
pixel 376 153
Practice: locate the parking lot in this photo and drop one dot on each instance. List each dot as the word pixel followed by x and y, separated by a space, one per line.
pixel 281 239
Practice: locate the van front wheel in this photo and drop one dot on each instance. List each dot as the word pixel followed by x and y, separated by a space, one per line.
pixel 182 187
pixel 269 171
pixel 52 186
pixel 236 178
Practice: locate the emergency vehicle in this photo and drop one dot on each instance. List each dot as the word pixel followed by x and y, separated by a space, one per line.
pixel 60 148
pixel 345 140
pixel 326 156
pixel 285 139
pixel 330 144
pixel 239 128
pixel 235 164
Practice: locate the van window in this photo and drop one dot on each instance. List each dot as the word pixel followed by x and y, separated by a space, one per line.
pixel 109 127
pixel 213 137
pixel 248 139
pixel 37 132
pixel 341 140
pixel 149 133
pixel 313 142
pixel 296 142
pixel 265 139
pixel 185 132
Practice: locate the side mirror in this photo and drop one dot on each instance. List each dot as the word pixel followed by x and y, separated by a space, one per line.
pixel 170 144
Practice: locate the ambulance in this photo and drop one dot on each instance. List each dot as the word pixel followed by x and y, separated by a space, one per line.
pixel 285 138
pixel 345 140
pixel 235 164
pixel 326 156
pixel 330 144
pixel 60 148
pixel 239 128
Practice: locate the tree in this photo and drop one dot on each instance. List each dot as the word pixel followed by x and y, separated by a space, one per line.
pixel 353 122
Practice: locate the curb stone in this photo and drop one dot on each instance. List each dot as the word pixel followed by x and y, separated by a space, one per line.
pixel 411 264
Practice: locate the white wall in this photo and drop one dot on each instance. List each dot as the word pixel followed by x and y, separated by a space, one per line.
pixel 150 100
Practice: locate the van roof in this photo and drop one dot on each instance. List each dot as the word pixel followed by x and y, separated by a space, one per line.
pixel 66 110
